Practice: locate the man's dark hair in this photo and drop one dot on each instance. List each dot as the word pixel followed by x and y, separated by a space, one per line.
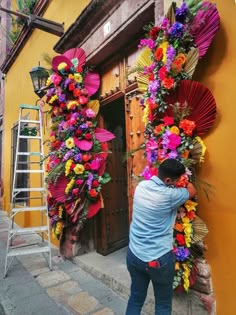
pixel 171 168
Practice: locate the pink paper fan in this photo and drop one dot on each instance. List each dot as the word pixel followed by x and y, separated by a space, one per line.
pixel 204 26
pixel 94 208
pixel 59 59
pixel 58 190
pixel 84 145
pixel 92 82
pixel 103 135
pixel 76 53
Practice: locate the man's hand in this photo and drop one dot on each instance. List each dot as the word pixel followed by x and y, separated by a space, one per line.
pixel 192 190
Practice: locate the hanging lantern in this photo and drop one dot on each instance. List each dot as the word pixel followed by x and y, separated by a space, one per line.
pixel 39 76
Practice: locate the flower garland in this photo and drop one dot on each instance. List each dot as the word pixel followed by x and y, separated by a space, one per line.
pixel 170 53
pixel 78 148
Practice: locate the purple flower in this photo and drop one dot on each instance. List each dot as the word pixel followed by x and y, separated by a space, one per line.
pixel 176 30
pixel 147 42
pixel 173 154
pixel 83 126
pixel 90 180
pixel 153 87
pixel 78 158
pixel 181 253
pixel 170 52
pixel 67 156
pixel 181 13
pixel 149 69
pixel 62 98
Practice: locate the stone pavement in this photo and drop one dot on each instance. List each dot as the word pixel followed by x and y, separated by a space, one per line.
pixel 31 288
pixel 90 284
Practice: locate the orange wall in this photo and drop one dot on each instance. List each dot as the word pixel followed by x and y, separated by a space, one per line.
pixel 217 71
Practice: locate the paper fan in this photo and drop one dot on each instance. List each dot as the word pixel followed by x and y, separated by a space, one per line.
pixel 199 230
pixel 204 26
pixel 94 208
pixel 103 135
pixel 84 145
pixel 58 190
pixel 191 61
pixel 94 105
pixel 60 59
pixel 76 53
pixel 200 102
pixel 143 60
pixel 91 82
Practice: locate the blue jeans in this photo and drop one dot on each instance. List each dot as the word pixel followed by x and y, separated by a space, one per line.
pixel 162 279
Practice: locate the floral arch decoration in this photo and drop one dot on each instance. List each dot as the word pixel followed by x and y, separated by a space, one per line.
pixel 78 149
pixel 177 111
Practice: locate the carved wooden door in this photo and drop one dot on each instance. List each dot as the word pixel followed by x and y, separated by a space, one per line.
pixel 112 220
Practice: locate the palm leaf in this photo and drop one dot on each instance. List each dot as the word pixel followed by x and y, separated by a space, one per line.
pixel 143 60
pixel 191 61
pixel 171 14
pixel 199 230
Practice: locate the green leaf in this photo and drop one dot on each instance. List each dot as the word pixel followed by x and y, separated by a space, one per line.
pixel 105 178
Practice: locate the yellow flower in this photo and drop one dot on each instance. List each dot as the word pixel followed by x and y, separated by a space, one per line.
pixel 69 185
pixel 53 99
pixel 78 77
pixel 70 76
pixel 164 47
pixel 70 143
pixel 67 167
pixel 203 148
pixel 145 114
pixel 60 211
pixel 59 228
pixel 78 169
pixel 61 66
pixel 190 205
pixel 49 81
pixel 176 265
pixel 72 104
pixel 175 130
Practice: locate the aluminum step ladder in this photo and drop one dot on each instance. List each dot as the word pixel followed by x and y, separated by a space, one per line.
pixel 27 200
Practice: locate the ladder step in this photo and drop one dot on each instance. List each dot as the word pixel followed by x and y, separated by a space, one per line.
pixel 28 189
pixel 29 121
pixel 24 209
pixel 30 137
pixel 30 153
pixel 26 251
pixel 29 106
pixel 29 171
pixel 29 230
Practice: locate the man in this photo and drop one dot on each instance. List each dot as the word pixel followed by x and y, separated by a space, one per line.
pixel 150 256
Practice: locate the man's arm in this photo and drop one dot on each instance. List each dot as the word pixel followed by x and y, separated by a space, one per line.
pixel 192 190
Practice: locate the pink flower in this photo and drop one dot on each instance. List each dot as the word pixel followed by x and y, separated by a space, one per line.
pixel 151 145
pixel 174 141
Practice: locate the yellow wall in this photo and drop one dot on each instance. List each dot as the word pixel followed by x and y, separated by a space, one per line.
pixel 18 86
pixel 217 72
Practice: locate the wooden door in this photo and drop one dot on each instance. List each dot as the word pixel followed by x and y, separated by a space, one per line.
pixel 112 221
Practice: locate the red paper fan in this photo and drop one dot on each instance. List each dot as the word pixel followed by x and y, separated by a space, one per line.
pixel 200 102
pixel 204 26
pixel 103 135
pixel 60 59
pixel 76 53
pixel 92 82
pixel 58 190
pixel 94 208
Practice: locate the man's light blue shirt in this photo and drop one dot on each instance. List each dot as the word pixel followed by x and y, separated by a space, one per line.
pixel 154 212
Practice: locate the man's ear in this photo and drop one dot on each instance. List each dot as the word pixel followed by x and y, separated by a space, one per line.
pixel 168 181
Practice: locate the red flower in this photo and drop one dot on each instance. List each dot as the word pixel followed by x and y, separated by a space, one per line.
pixel 76 92
pixel 93 193
pixel 187 126
pixel 79 182
pixel 168 120
pixel 79 69
pixel 180 239
pixel 153 33
pixel 95 183
pixel 162 73
pixel 87 166
pixel 78 132
pixel 158 129
pixel 168 83
pixel 191 215
pixel 151 77
pixel 88 136
pixel 71 87
pixel 86 157
pixel 158 54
